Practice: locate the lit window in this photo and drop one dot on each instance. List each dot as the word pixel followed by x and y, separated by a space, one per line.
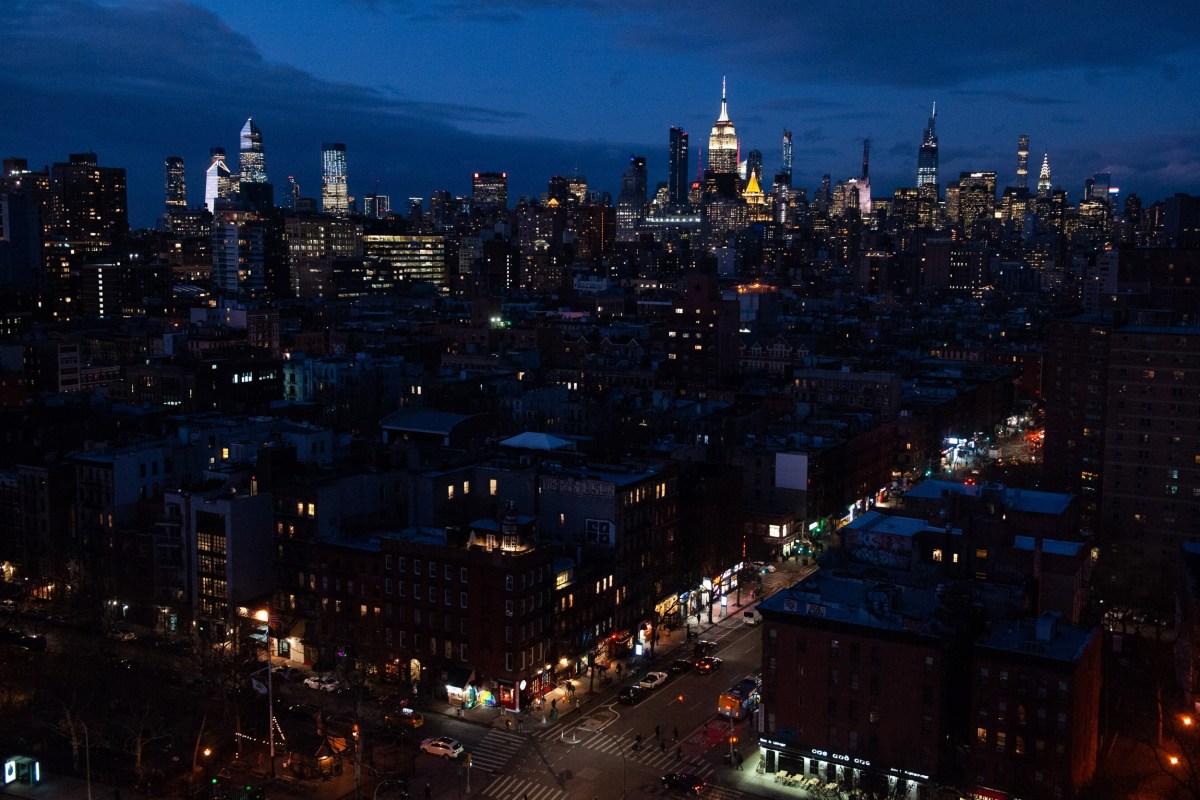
pixel 492 487
pixel 937 554
pixel 449 492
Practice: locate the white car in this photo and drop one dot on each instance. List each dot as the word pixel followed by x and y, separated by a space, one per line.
pixel 443 746
pixel 322 683
pixel 653 680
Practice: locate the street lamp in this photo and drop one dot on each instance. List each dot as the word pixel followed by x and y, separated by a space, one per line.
pixel 264 616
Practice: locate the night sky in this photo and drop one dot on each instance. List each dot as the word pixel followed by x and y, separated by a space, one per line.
pixel 424 93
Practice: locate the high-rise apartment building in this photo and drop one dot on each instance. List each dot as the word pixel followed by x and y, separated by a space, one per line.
pixel 489 191
pixel 218 183
pixel 677 168
pixel 787 158
pixel 1023 161
pixel 927 155
pixel 252 165
pixel 334 197
pixel 723 141
pixel 89 201
pixel 176 184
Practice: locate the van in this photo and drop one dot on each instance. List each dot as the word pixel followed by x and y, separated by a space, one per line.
pixel 752 617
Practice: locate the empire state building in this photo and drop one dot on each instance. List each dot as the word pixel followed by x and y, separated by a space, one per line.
pixel 723 142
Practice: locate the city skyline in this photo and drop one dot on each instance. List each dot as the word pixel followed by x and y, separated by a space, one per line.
pixel 567 91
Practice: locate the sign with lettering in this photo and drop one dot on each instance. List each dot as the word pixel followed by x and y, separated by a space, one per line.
pixel 564 485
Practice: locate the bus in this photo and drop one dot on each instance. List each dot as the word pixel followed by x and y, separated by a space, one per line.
pixel 740 700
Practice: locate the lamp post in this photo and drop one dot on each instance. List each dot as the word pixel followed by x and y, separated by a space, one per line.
pixel 264 617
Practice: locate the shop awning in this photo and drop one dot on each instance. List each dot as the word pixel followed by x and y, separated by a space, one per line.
pixel 458 678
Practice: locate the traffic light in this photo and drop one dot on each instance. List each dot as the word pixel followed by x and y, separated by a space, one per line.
pixel 733 740
pixel 680 699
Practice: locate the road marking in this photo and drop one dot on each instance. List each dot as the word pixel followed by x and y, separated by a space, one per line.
pixel 509 786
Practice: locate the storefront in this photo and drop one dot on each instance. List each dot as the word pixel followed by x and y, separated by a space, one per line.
pixel 460 688
pixel 815 769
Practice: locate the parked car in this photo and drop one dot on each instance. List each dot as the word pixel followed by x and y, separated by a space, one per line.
pixel 684 782
pixel 680 665
pixel 322 683
pixel 443 746
pixel 653 680
pixel 704 647
pixel 285 673
pixel 708 664
pixel 122 635
pixel 751 617
pixel 631 695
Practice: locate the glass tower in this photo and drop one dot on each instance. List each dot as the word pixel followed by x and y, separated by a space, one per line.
pixel 334 198
pixel 251 162
pixel 216 179
pixel 927 156
pixel 176 183
pixel 677 168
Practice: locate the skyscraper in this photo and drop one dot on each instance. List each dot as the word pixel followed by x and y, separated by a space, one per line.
pixel 723 141
pixel 631 204
pixel 1044 177
pixel 677 168
pixel 251 163
pixel 1023 161
pixel 787 157
pixel 927 156
pixel 176 183
pixel 216 179
pixel 754 165
pixel 489 191
pixel 334 197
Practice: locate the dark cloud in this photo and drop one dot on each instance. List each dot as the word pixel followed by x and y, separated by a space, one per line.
pixel 1019 98
pixel 138 82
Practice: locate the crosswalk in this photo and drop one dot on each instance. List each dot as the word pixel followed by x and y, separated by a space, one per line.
pixel 495 750
pixel 510 787
pixel 651 754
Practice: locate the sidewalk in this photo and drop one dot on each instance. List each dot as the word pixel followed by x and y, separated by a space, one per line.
pixel 61 787
pixel 588 692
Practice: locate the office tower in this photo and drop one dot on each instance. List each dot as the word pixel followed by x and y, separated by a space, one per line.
pixel 393 258
pixel 252 164
pixel 378 206
pixel 176 184
pixel 1044 177
pixel 579 188
pixel 631 204
pixel 334 197
pixel 723 141
pixel 677 168
pixel 238 251
pixel 217 180
pixel 927 155
pixel 558 190
pixel 866 167
pixel 293 193
pixel 754 165
pixel 1023 161
pixel 489 191
pixel 787 158
pixel 975 209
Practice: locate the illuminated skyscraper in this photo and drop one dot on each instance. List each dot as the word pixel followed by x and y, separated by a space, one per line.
pixel 334 197
pixel 1023 161
pixel 489 191
pixel 631 204
pixel 927 156
pixel 176 183
pixel 754 165
pixel 1044 177
pixel 723 141
pixel 252 163
pixel 677 168
pixel 217 183
pixel 787 157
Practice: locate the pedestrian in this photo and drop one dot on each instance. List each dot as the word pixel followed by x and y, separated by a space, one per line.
pixel 676 732
pixel 655 731
pixel 737 757
pixel 679 753
pixel 428 791
pixel 662 748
